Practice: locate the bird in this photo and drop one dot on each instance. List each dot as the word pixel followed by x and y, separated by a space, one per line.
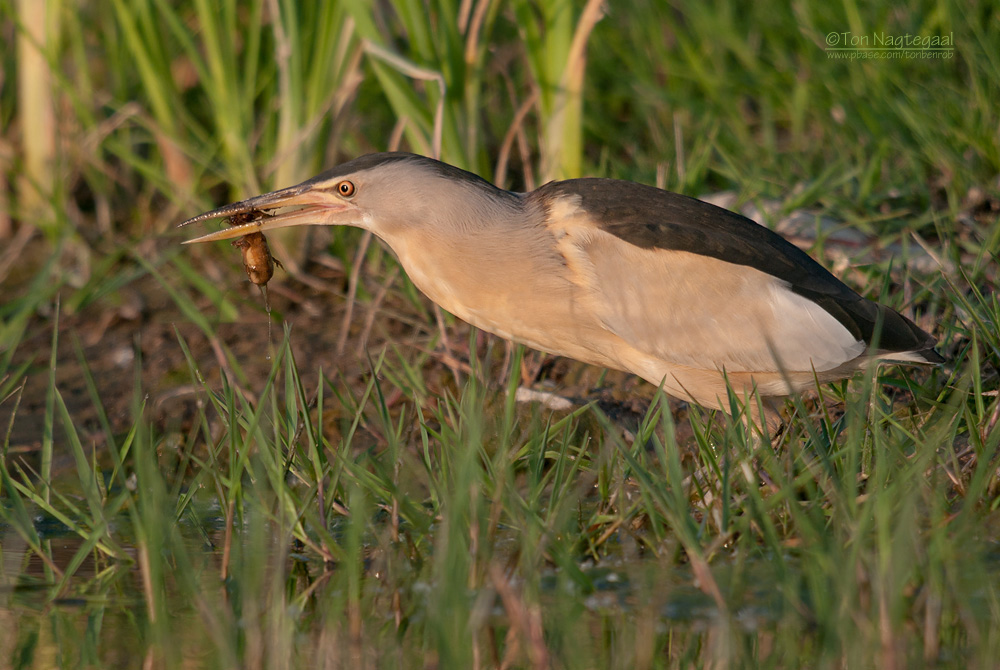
pixel 693 298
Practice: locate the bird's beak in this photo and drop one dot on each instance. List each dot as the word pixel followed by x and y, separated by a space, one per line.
pixel 316 206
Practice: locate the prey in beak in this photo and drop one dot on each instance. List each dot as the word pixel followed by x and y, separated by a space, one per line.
pixel 313 205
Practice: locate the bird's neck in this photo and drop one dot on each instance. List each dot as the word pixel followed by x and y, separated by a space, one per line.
pixel 468 259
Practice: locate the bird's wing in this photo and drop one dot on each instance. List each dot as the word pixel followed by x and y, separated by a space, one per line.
pixel 699 285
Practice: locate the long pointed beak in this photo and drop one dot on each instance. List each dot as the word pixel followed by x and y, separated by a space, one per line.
pixel 316 207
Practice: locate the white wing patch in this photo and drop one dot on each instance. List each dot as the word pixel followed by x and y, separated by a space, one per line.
pixel 698 311
pixel 807 336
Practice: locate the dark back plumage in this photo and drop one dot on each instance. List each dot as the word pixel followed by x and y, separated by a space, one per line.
pixel 652 218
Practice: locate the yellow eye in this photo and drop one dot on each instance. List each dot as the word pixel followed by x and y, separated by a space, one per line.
pixel 346 189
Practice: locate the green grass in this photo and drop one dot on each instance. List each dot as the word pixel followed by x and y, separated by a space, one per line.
pixel 183 484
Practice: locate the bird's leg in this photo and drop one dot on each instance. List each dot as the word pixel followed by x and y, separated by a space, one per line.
pixel 445 343
pixel 774 425
pixel 765 427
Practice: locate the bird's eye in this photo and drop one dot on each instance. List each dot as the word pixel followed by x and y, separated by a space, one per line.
pixel 346 188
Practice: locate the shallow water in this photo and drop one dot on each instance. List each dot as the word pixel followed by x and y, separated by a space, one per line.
pixel 102 615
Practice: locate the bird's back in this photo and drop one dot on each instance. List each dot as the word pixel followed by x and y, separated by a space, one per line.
pixel 654 219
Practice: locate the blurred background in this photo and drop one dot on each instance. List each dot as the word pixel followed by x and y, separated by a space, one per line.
pixel 878 153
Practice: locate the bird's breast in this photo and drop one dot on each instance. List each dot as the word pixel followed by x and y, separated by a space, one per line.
pixel 514 285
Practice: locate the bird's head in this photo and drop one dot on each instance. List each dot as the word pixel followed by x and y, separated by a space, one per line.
pixel 384 193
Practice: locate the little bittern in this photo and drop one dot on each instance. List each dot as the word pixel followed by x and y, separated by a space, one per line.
pixel 686 295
